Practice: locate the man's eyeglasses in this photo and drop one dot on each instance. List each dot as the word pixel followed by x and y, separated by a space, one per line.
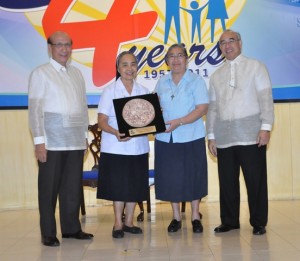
pixel 178 56
pixel 61 45
pixel 230 41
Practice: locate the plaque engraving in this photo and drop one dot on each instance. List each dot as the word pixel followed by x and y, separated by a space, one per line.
pixel 138 112
pixel 139 115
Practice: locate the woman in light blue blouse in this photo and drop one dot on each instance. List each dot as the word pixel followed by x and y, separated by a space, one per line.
pixel 180 152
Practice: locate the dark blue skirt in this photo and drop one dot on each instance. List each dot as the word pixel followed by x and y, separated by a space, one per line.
pixel 180 170
pixel 123 177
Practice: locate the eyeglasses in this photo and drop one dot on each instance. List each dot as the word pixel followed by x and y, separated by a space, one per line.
pixel 230 41
pixel 61 45
pixel 179 56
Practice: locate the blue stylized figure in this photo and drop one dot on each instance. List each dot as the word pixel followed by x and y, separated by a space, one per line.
pixel 172 11
pixel 216 10
pixel 196 18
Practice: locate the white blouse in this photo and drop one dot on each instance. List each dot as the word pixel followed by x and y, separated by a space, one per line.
pixel 109 143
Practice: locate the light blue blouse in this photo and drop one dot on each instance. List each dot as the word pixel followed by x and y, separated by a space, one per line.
pixel 190 91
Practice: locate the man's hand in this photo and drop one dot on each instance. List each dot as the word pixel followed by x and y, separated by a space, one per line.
pixel 212 147
pixel 41 152
pixel 263 138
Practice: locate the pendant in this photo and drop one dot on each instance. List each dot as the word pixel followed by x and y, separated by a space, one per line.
pixel 172 96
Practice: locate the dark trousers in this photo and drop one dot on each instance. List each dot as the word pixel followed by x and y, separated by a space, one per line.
pixel 252 160
pixel 60 176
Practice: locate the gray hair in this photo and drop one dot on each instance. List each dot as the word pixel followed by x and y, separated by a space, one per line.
pixel 179 45
pixel 231 31
pixel 124 53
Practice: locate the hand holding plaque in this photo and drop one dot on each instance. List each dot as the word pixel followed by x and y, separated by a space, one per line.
pixel 139 115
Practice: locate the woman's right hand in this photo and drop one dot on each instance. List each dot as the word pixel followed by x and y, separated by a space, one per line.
pixel 120 136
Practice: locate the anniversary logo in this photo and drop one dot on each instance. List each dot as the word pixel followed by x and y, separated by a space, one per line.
pixel 102 29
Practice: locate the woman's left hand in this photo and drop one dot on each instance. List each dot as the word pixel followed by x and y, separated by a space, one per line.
pixel 173 124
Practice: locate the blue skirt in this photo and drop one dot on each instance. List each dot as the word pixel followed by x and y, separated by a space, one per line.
pixel 180 170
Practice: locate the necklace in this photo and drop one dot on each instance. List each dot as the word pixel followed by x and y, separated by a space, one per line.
pixel 173 95
pixel 174 84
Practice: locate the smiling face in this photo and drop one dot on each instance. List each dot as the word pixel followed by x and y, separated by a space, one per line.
pixel 230 45
pixel 177 60
pixel 127 67
pixel 60 47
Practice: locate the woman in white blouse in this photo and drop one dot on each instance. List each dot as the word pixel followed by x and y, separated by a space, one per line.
pixel 123 165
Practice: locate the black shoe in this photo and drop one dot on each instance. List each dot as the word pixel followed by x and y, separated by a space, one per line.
pixel 50 241
pixel 79 235
pixel 225 228
pixel 132 230
pixel 197 226
pixel 200 214
pixel 259 230
pixel 174 226
pixel 119 233
pixel 140 217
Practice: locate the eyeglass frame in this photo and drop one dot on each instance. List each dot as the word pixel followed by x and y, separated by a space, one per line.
pixel 178 56
pixel 61 45
pixel 230 41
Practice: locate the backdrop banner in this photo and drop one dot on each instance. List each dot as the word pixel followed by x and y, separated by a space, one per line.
pixel 100 30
